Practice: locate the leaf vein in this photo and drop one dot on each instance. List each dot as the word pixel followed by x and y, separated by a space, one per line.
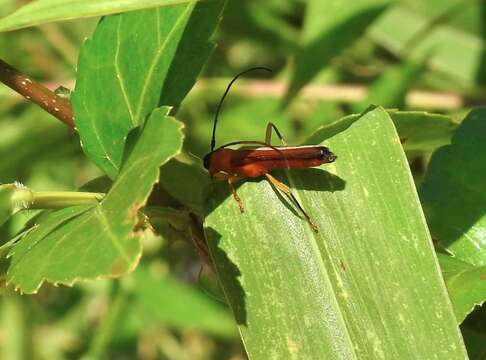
pixel 156 59
pixel 119 74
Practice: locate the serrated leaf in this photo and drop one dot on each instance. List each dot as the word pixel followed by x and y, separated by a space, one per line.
pixel 454 191
pixel 134 62
pixel 329 28
pixel 45 11
pixel 466 284
pixel 101 241
pixel 367 286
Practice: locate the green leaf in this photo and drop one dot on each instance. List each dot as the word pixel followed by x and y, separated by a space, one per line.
pixel 466 284
pixel 102 241
pixel 180 306
pixel 134 62
pixel 422 131
pixel 187 182
pixel 454 191
pixel 329 28
pixel 448 50
pixel 367 286
pixel 418 130
pixel 45 11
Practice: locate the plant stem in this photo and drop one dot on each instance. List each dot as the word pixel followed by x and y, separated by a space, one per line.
pixel 37 93
pixel 54 199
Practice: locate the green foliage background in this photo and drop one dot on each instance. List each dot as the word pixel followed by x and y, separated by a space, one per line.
pixel 422 61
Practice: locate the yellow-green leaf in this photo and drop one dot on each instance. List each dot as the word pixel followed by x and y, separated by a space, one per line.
pixel 101 240
pixel 367 286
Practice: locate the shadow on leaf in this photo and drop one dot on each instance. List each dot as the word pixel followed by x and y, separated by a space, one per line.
pixel 229 274
pixel 312 179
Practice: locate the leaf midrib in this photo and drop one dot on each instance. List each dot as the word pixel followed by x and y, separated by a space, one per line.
pixel 158 55
pixel 119 74
pixel 311 235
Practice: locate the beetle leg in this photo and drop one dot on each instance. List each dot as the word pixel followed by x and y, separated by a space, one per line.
pixel 231 181
pixel 220 175
pixel 268 134
pixel 286 190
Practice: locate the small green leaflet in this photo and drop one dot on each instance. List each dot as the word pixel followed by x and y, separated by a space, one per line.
pixel 133 63
pixel 101 240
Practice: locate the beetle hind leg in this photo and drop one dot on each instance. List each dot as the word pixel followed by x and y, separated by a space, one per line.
pixel 268 134
pixel 286 190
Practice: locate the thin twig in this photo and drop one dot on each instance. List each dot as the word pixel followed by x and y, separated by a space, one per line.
pixel 346 93
pixel 37 93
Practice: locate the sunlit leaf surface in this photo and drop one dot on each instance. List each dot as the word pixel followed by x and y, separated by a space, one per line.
pixel 101 240
pixel 134 62
pixel 367 286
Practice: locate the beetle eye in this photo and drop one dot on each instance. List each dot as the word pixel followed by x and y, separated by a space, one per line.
pixel 327 155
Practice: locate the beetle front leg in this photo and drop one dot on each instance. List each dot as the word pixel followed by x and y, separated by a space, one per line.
pixel 231 181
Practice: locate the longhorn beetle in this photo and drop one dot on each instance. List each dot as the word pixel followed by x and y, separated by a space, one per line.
pixel 261 158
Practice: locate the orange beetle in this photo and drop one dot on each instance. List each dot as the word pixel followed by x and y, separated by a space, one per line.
pixel 261 158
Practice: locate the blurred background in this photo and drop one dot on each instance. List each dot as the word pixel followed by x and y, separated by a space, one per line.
pixel 414 55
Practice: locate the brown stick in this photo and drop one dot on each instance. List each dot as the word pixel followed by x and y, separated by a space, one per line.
pixel 37 93
pixel 347 93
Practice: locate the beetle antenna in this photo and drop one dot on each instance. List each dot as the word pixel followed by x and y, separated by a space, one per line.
pixel 218 109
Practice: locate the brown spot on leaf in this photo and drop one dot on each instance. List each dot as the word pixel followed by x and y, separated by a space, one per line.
pixel 341 263
pixel 133 211
pixel 119 267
